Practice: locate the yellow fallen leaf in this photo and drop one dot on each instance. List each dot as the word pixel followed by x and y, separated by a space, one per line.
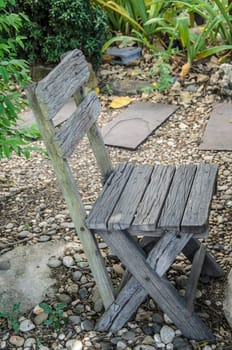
pixel 119 102
pixel 185 70
pixel 97 90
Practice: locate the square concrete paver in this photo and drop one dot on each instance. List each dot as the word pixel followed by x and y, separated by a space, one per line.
pixel 136 123
pixel 218 132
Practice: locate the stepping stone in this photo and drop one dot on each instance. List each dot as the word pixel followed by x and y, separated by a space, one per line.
pixel 27 117
pixel 136 123
pixel 124 55
pixel 128 86
pixel 218 132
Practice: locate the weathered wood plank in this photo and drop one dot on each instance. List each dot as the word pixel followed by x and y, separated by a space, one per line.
pixel 196 213
pixel 133 294
pixel 100 151
pixel 198 262
pixel 73 201
pixel 151 205
pixel 124 211
pixel 177 197
pixel 210 267
pixel 60 84
pixel 106 202
pixel 74 129
pixel 159 289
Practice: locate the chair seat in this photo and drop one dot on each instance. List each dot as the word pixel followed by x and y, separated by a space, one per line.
pixel 151 199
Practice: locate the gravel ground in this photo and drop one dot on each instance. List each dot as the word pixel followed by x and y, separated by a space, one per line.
pixel 33 210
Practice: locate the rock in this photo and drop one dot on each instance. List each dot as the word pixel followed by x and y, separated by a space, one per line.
pixel 181 344
pixel 54 262
pixel 26 325
pixel 118 269
pixel 87 325
pixel 77 275
pixel 227 304
pixel 44 238
pixel 28 268
pixel 24 234
pixel 144 347
pixel 68 261
pixel 74 344
pixel 167 334
pixel 5 265
pixel 16 340
pixel 29 342
pixel 83 292
pixel 74 319
pixel 65 298
pixel 121 345
pixel 128 86
pixel 222 80
pixel 39 319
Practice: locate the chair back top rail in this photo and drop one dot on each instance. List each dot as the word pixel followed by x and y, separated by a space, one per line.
pixel 61 83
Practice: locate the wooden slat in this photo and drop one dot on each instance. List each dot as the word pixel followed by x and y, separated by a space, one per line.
pixel 196 213
pixel 159 289
pixel 100 152
pixel 133 294
pixel 152 203
pixel 124 211
pixel 74 129
pixel 60 84
pixel 106 202
pixel 198 262
pixel 177 197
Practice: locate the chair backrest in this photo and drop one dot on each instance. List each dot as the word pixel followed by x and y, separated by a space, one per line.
pixel 49 95
pixel 46 98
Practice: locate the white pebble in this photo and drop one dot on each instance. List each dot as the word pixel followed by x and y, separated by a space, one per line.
pixel 68 261
pixel 167 334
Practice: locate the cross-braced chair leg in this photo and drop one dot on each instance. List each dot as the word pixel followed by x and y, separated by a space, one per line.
pixel 147 279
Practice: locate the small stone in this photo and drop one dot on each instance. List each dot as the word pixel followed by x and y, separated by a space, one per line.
pixel 144 347
pixel 54 262
pixel 44 238
pixel 98 305
pixel 129 336
pixel 5 265
pixel 157 338
pixel 83 292
pixel 207 347
pixel 65 298
pixel 9 226
pixel 26 325
pixel 167 319
pixel 24 234
pixel 169 346
pixel 68 261
pixel 148 340
pixel 16 340
pixel 118 269
pixel 87 325
pixel 39 319
pixel 181 344
pixel 29 342
pixel 42 347
pixel 77 275
pixel 3 345
pixel 121 345
pixel 167 334
pixel 74 319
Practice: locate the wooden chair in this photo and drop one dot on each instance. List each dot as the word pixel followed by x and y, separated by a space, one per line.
pixel 168 206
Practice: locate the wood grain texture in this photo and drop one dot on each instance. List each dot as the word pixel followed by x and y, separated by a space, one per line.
pixel 159 289
pixel 153 200
pixel 133 294
pixel 73 201
pixel 195 218
pixel 74 129
pixel 177 197
pixel 106 202
pixel 123 213
pixel 100 152
pixel 198 262
pixel 210 267
pixel 60 84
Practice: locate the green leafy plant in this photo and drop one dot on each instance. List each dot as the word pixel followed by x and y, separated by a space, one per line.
pixel 55 315
pixel 57 26
pixel 195 44
pixel 13 78
pixel 11 318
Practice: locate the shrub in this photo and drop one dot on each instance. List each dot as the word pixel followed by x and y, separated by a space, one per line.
pixel 57 26
pixel 13 77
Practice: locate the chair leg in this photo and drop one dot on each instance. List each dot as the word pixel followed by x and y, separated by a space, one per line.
pixel 159 289
pixel 210 267
pixel 133 294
